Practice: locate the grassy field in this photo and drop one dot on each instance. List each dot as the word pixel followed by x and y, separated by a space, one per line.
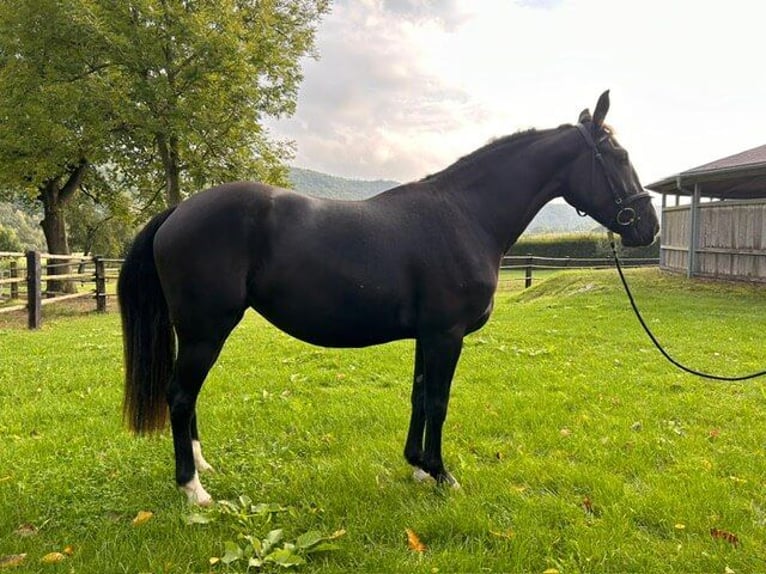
pixel 579 449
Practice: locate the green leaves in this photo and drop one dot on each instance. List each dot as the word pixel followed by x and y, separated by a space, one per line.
pixel 254 550
pixel 245 513
pixel 145 96
pixel 197 79
pixel 231 552
pixel 309 539
pixel 260 552
pixel 52 103
pixel 199 518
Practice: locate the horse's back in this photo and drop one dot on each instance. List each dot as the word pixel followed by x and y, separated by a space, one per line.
pixel 333 273
pixel 313 267
pixel 366 272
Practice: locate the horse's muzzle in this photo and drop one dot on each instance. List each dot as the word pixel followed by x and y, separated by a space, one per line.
pixel 639 234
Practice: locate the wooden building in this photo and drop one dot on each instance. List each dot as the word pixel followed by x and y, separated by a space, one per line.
pixel 714 218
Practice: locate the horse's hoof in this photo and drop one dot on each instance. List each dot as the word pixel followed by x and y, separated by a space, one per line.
pixel 447 479
pixel 204 501
pixel 444 479
pixel 420 475
pixel 196 493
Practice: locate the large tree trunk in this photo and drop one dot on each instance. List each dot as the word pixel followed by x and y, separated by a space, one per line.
pixel 168 148
pixel 54 197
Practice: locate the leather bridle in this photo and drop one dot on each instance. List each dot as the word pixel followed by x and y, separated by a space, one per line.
pixel 626 215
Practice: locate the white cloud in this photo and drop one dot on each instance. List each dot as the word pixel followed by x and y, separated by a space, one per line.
pixel 404 87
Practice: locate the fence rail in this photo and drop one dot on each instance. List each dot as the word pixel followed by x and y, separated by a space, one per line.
pixel 29 281
pixel 530 263
pixel 22 276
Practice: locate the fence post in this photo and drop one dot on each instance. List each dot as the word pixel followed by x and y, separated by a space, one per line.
pixel 100 284
pixel 14 268
pixel 34 290
pixel 528 273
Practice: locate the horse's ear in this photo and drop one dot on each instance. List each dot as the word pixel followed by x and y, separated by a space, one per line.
pixel 584 116
pixel 601 108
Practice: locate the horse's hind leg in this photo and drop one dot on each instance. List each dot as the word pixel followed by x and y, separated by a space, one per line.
pixel 199 461
pixel 192 365
pixel 197 351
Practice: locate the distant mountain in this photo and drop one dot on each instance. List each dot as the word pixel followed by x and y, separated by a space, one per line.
pixel 560 218
pixel 554 217
pixel 319 184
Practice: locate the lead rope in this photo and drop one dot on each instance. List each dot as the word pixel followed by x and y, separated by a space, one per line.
pixel 654 339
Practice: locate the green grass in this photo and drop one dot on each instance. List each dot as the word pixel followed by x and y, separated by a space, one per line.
pixel 559 399
pixel 512 280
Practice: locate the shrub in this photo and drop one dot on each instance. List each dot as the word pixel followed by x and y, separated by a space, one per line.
pixel 576 245
pixel 9 241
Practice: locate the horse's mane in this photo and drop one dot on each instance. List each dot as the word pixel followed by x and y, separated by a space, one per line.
pixel 495 144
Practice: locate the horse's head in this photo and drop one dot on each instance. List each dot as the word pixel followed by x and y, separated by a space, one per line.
pixel 603 184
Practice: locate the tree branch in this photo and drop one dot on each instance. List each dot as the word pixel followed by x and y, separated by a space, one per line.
pixel 73 182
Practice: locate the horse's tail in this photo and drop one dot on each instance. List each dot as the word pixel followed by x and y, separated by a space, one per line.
pixel 147 334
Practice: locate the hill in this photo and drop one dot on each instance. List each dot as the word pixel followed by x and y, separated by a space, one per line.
pixel 553 218
pixel 319 184
pixel 560 218
pixel 19 230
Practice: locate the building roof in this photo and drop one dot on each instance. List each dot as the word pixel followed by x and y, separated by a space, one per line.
pixel 738 176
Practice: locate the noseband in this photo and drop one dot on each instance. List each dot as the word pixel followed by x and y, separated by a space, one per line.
pixel 626 215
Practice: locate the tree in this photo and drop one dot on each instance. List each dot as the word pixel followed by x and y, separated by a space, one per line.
pixel 169 93
pixel 199 76
pixel 53 107
pixel 100 221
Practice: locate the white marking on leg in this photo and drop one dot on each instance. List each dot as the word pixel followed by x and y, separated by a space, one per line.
pixel 195 492
pixel 420 475
pixel 199 461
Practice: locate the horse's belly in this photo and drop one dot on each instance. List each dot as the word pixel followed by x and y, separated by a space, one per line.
pixel 335 320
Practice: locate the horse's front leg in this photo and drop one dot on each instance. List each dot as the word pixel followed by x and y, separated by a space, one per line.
pixel 413 448
pixel 440 356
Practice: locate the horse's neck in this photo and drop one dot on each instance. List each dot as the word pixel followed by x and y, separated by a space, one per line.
pixel 503 188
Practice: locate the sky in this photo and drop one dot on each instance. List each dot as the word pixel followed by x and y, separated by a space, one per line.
pixel 403 88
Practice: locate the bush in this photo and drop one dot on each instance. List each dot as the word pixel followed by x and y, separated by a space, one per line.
pixel 9 241
pixel 576 245
pixel 24 226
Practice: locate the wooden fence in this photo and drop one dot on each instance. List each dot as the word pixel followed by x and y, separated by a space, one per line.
pixel 22 276
pixel 529 264
pixel 728 240
pixel 27 281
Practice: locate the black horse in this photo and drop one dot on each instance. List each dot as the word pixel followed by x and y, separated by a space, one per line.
pixel 419 261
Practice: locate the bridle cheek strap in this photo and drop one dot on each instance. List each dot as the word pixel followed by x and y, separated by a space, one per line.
pixel 626 216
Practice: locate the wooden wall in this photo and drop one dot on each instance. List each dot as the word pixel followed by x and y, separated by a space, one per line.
pixel 732 240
